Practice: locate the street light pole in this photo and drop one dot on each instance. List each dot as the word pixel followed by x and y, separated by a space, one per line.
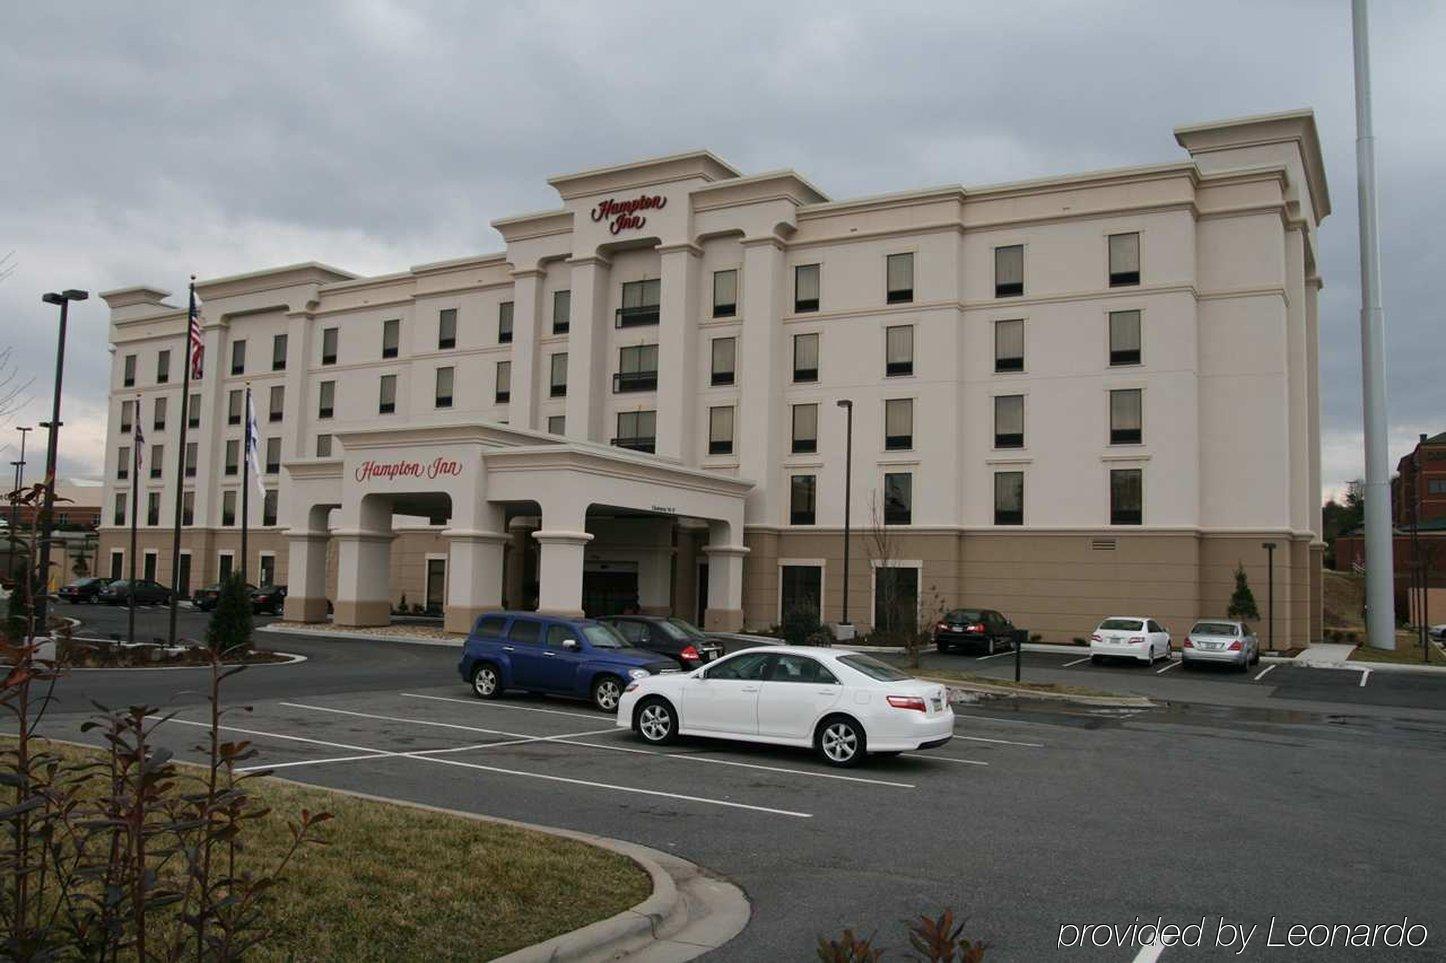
pixel 848 406
pixel 52 449
pixel 1270 588
pixel 1418 566
pixel 15 498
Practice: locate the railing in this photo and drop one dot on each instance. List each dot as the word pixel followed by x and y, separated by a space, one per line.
pixel 637 316
pixel 635 381
pixel 646 443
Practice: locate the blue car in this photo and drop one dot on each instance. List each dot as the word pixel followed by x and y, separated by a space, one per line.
pixel 569 657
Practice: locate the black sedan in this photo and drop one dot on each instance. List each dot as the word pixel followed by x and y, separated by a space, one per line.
pixel 268 599
pixel 146 592
pixel 978 629
pixel 83 590
pixel 205 599
pixel 676 638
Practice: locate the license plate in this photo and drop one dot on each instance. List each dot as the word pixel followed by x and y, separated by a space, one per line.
pixel 1213 645
pixel 938 703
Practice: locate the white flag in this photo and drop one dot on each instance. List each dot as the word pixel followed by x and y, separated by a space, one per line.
pixel 253 443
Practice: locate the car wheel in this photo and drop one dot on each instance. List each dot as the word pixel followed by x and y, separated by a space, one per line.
pixel 606 692
pixel 841 742
pixel 656 722
pixel 486 683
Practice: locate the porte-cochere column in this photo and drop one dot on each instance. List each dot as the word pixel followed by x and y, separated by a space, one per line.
pixel 560 571
pixel 363 577
pixel 725 579
pixel 306 565
pixel 474 570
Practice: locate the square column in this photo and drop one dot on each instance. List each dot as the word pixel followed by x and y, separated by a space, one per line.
pixel 725 587
pixel 474 576
pixel 760 362
pixel 306 575
pixel 677 357
pixel 587 355
pixel 363 583
pixel 560 572
pixel 655 581
pixel 526 303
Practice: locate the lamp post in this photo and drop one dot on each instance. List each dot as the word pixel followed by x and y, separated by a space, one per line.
pixel 1270 588
pixel 15 498
pixel 47 510
pixel 848 406
pixel 1418 565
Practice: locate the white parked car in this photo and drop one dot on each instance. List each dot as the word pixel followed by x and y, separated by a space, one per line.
pixel 843 704
pixel 1129 637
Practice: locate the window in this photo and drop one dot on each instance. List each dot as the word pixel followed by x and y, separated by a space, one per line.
pixel 153 510
pixel 504 323
pixel 233 457
pixel 127 416
pixel 193 411
pixel 159 416
pixel 391 337
pixel 188 508
pixel 898 498
pixel 1009 421
pixel 225 562
pixel 1009 498
pixel 1009 345
pixel 387 396
pixel 191 455
pixel 123 462
pixel 1124 337
pixel 900 278
pixel 805 288
pixel 637 430
pixel 273 456
pixel 128 379
pixel 805 429
pixel 1124 260
pixel 640 303
pixel 802 499
pixel 725 360
pixel 725 294
pixel 238 357
pixel 503 391
pixel 158 457
pixel 557 385
pixel 637 368
pixel 443 396
pixel 1127 496
pixel 800 590
pixel 117 563
pixel 163 367
pixel 119 515
pixel 896 599
pixel 899 424
pixel 1009 271
pixel 1436 486
pixel 561 312
pixel 720 430
pixel 228 508
pixel 323 446
pixel 326 400
pixel 805 358
pixel 268 517
pixel 233 407
pixel 899 350
pixel 447 328
pixel 328 346
pixel 278 352
pixel 556 424
pixel 1125 417
pixel 748 667
pixel 276 403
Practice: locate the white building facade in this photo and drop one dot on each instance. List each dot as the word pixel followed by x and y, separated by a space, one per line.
pixel 1070 397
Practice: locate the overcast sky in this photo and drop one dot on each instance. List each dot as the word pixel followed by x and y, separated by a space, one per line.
pixel 145 142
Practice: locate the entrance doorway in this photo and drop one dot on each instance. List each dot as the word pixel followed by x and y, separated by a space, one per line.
pixel 702 594
pixel 436 585
pixel 609 588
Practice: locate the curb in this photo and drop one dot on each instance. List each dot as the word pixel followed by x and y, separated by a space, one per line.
pixel 360 636
pixel 1102 701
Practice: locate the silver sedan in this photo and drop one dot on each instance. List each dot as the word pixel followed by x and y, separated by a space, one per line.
pixel 1220 641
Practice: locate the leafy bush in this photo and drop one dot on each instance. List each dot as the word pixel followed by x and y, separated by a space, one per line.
pixel 800 624
pixel 936 939
pixel 1242 601
pixel 230 629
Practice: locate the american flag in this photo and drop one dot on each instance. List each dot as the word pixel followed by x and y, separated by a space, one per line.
pixel 140 442
pixel 198 344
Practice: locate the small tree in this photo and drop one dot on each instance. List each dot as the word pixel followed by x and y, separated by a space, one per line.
pixel 1242 601
pixel 230 628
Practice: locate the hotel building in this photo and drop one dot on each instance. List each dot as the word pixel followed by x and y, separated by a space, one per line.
pixel 1070 397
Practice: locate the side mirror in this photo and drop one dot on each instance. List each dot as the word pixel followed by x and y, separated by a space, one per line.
pixel 570 645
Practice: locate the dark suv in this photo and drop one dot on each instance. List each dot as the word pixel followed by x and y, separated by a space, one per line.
pixel 268 599
pixel 676 638
pixel 975 629
pixel 146 592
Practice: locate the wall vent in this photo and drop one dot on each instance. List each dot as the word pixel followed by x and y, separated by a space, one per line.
pixel 1102 544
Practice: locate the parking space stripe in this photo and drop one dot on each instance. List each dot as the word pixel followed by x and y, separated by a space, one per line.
pixel 1075 662
pixel 965 762
pixel 407 754
pixel 1172 665
pixel 985 658
pixel 1365 674
pixel 1264 672
pixel 1149 954
pixel 1002 742
pixel 503 705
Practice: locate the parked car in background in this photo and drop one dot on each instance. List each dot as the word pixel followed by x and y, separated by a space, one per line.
pixel 976 629
pixel 1129 637
pixel 83 590
pixel 1438 632
pixel 268 599
pixel 676 638
pixel 205 598
pixel 582 658
pixel 845 705
pixel 1220 641
pixel 146 592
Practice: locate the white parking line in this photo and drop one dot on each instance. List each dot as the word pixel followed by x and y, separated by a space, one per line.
pixel 964 762
pixel 1365 674
pixel 1263 672
pixel 494 704
pixel 1172 665
pixel 1002 742
pixel 1075 662
pixel 1149 954
pixel 985 658
pixel 570 740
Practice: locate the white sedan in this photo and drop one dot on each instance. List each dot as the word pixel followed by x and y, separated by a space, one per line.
pixel 843 704
pixel 1130 637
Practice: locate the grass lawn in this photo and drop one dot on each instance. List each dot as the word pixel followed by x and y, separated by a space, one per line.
pixel 397 883
pixel 1407 651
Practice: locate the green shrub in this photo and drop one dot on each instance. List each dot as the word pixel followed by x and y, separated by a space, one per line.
pixel 799 625
pixel 230 628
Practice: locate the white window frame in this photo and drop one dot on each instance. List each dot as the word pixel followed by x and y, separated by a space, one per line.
pixel 877 563
pixel 821 564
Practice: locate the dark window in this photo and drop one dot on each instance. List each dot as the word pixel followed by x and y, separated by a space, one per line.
pixel 637 430
pixel 899 350
pixel 387 396
pixel 744 667
pixel 1009 271
pixel 1124 260
pixel 443 396
pixel 725 359
pixel 805 429
pixel 725 294
pixel 328 346
pixel 273 456
pixel 640 303
pixel 268 512
pixel 1124 337
pixel 503 393
pixel 129 377
pixel 1009 498
pixel 799 668
pixel 233 408
pixel 504 323
pixel 238 357
pixel 561 312
pixel 119 517
pixel 158 420
pixel 805 358
pixel 191 456
pixel 127 416
pixel 524 632
pixel 802 499
pixel 1009 421
pixel 899 424
pixel 490 625
pixel 637 368
pixel 720 430
pixel 896 599
pixel 326 399
pixel 225 563
pixel 163 367
pixel 188 508
pixel 233 457
pixel 276 403
pixel 1126 496
pixel 801 590
pixel 900 280
pixel 446 328
pixel 153 516
pixel 1009 345
pixel 1125 417
pixel 158 457
pixel 556 424
pixel 278 352
pixel 391 337
pixel 123 462
pixel 558 385
pixel 898 498
pixel 323 446
pixel 805 287
pixel 228 508
pixel 193 412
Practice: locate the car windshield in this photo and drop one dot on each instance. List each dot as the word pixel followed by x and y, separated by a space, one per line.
pixel 682 629
pixel 118 584
pixel 1213 628
pixel 87 581
pixel 1122 625
pixel 874 669
pixel 601 636
pixel 964 615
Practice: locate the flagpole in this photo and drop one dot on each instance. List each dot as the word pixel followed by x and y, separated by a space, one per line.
pixel 181 465
pixel 245 481
pixel 135 510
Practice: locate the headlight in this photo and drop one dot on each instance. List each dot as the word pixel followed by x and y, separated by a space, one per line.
pixel 638 673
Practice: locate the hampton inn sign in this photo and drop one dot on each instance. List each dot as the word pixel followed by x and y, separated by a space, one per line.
pixel 393 470
pixel 623 215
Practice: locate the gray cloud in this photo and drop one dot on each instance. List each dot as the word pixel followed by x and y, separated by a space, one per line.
pixel 147 143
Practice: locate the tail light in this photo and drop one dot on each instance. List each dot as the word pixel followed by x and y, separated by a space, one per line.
pixel 1234 646
pixel 976 627
pixel 907 702
pixel 942 626
pixel 690 654
pixel 1096 638
pixel 1137 640
pixel 1188 643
